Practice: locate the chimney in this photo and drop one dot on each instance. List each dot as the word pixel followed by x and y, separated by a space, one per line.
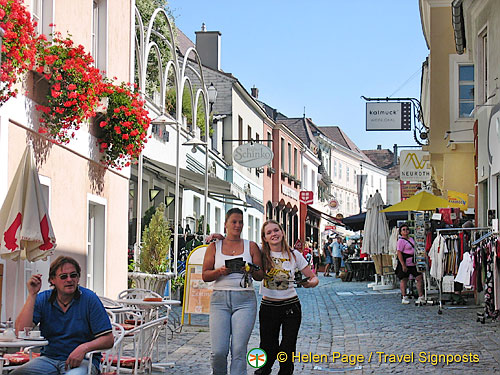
pixel 255 92
pixel 208 47
pixel 379 147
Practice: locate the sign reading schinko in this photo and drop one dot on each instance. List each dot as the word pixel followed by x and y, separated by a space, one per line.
pixel 388 116
pixel 414 166
pixel 253 155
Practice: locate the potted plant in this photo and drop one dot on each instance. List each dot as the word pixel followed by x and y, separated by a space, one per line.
pixel 178 287
pixel 18 48
pixel 123 131
pixel 153 259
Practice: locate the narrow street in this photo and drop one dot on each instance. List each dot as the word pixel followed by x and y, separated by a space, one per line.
pixel 351 319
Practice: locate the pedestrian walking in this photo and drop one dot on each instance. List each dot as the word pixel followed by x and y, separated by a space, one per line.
pixel 328 256
pixel 280 309
pixel 337 248
pixel 233 304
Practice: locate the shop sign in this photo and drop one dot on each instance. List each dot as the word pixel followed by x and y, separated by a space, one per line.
pixel 409 189
pixel 289 192
pixel 306 197
pixel 388 116
pixel 458 198
pixel 333 203
pixel 414 166
pixel 330 227
pixel 253 155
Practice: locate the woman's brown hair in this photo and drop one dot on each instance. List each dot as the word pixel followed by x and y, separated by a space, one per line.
pixel 267 261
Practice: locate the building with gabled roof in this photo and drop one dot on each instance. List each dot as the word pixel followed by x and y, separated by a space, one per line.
pixel 388 161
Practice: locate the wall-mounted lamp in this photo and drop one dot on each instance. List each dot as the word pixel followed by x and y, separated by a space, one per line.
pixel 168 200
pixel 194 142
pixel 448 132
pixel 163 120
pixel 153 193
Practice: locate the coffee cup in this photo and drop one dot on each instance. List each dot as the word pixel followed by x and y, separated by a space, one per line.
pixel 34 334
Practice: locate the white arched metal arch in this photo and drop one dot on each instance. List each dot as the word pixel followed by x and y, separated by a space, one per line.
pixel 143 47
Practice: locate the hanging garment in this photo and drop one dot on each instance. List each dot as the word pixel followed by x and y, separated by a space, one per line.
pixel 436 254
pixel 465 271
pixel 489 301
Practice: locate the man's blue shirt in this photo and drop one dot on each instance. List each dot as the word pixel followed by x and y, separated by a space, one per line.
pixel 337 249
pixel 85 320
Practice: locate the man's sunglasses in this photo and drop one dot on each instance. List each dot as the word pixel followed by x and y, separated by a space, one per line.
pixel 64 276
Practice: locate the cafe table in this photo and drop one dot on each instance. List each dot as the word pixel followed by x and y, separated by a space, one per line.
pixel 18 343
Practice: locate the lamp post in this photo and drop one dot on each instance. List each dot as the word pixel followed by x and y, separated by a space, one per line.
pixel 176 69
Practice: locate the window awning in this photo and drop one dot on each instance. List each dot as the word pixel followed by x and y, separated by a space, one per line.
pixel 220 190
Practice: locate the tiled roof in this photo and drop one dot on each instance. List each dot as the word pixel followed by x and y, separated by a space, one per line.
pixel 385 160
pixel 300 127
pixel 338 136
pixel 183 42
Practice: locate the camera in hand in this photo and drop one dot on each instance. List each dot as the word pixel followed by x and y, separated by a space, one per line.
pixel 298 278
pixel 235 265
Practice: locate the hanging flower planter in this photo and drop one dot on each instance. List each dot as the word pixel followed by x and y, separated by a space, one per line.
pixel 75 87
pixel 18 48
pixel 123 131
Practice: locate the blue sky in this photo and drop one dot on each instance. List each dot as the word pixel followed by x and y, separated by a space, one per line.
pixel 318 54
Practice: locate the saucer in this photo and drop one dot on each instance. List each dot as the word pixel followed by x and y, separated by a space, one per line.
pixel 41 338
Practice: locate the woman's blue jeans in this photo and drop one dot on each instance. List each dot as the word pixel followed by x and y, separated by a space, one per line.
pixel 232 317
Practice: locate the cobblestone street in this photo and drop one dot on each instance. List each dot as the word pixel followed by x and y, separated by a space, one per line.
pixel 351 319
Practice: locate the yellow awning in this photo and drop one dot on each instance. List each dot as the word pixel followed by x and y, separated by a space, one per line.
pixel 422 201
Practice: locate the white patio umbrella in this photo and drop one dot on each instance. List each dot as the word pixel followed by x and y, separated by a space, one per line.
pixel 25 228
pixel 376 231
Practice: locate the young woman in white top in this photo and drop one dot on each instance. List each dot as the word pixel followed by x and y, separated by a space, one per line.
pixel 280 307
pixel 233 305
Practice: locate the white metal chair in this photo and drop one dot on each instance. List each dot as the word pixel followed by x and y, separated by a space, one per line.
pixel 145 339
pixel 111 358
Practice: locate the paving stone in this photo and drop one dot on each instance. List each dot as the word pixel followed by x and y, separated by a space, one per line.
pixel 351 319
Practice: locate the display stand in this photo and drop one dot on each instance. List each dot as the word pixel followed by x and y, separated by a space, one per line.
pixel 458 230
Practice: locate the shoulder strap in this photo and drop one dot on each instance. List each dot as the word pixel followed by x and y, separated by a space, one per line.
pixel 407 240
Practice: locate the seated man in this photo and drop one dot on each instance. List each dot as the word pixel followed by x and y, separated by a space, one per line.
pixel 72 319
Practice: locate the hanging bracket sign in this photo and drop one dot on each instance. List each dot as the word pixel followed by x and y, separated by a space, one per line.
pixel 254 155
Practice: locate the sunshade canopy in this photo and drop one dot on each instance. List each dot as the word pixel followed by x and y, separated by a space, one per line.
pixel 422 201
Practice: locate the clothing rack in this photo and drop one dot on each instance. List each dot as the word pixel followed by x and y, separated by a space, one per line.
pixel 483 237
pixel 473 229
pixel 461 229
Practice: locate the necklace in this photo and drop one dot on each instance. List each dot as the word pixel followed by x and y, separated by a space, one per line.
pixel 64 304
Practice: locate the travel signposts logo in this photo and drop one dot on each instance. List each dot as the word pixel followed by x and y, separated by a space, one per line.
pixel 256 357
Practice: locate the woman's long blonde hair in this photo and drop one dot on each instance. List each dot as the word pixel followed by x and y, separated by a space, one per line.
pixel 267 261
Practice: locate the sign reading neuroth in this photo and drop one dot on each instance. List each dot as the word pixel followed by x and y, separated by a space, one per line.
pixel 388 116
pixel 253 155
pixel 414 166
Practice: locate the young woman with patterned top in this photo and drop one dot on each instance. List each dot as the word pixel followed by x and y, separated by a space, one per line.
pixel 280 307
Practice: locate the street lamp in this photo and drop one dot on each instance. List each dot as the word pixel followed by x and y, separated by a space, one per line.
pixel 194 142
pixel 212 95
